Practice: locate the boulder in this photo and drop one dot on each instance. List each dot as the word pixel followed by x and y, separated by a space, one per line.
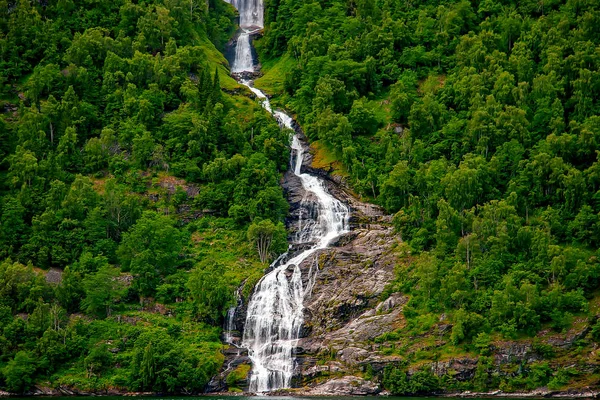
pixel 345 386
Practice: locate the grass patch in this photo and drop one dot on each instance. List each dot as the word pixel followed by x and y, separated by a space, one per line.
pixel 237 376
pixel 214 56
pixel 274 72
pixel 245 107
pixel 220 240
pixel 325 159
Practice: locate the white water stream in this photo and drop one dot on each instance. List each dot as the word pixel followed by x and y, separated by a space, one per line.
pixel 243 61
pixel 275 311
pixel 251 21
pixel 251 12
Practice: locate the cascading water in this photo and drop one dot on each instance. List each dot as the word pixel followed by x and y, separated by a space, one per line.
pixel 251 12
pixel 243 61
pixel 275 310
pixel 229 328
pixel 251 21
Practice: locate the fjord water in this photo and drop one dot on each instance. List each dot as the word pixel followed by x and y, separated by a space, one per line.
pixel 275 310
pixel 242 398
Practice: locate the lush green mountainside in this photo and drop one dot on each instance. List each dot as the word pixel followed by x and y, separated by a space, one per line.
pixel 477 124
pixel 132 185
pixel 115 137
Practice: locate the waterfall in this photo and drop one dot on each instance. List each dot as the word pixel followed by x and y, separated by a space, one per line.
pixel 243 61
pixel 229 326
pixel 251 21
pixel 275 310
pixel 251 12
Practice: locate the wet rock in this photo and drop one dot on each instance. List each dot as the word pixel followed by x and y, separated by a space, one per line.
pixel 345 386
pixel 566 341
pixel 344 310
pixel 331 367
pixel 54 275
pixel 353 355
pixel 511 352
pixel 463 369
pixel 234 357
pixel 344 306
pixel 444 328
pixel 43 391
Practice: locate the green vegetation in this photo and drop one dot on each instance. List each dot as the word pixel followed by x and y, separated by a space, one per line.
pixel 136 195
pixel 128 181
pixel 420 382
pixel 273 80
pixel 477 125
pixel 270 239
pixel 533 376
pixel 237 375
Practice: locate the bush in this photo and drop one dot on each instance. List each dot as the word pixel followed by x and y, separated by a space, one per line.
pixel 395 381
pixel 595 333
pixel 237 375
pixel 399 383
pixel 482 343
pixel 19 372
pixel 543 349
pixel 424 382
pixel 561 321
pixel 467 325
pixel 387 337
pixel 98 360
pixel 561 378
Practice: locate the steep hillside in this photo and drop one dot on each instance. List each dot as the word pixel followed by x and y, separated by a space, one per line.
pixel 131 167
pixel 477 126
pixel 141 193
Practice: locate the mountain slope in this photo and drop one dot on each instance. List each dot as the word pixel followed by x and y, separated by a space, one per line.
pixel 131 166
pixel 476 125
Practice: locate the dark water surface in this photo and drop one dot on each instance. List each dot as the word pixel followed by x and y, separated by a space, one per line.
pixel 234 397
pixel 240 397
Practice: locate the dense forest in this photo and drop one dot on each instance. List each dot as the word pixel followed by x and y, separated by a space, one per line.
pixel 136 176
pixel 132 188
pixel 477 125
pixel 487 154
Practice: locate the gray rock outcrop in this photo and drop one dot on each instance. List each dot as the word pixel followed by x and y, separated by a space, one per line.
pixel 344 386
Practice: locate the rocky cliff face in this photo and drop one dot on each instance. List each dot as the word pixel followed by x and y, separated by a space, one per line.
pixel 346 312
pixel 353 329
pixel 345 309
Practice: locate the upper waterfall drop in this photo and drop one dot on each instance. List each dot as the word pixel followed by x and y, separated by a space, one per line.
pixel 251 21
pixel 243 61
pixel 251 12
